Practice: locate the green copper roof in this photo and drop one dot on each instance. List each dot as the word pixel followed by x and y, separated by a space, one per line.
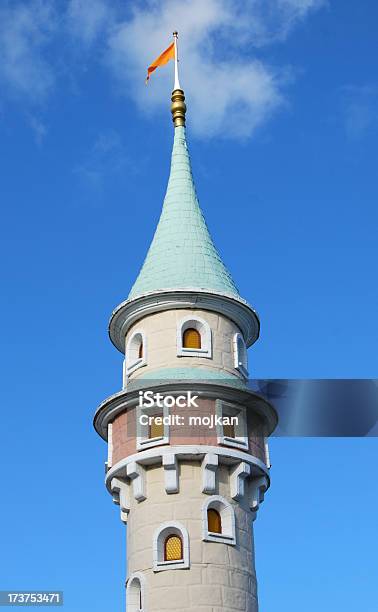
pixel 182 254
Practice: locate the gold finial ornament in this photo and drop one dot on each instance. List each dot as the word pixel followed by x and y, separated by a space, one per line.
pixel 178 108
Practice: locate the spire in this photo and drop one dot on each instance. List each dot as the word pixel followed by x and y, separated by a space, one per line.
pixel 182 254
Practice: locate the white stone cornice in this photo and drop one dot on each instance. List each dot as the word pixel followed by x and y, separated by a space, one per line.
pixel 136 472
pixel 237 479
pixel 130 311
pixel 120 491
pixel 209 466
pixel 257 488
pixel 187 452
pixel 170 465
pixel 241 465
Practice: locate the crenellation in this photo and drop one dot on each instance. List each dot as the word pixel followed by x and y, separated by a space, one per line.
pixel 233 482
pixel 171 473
pixel 136 473
pixel 238 476
pixel 209 473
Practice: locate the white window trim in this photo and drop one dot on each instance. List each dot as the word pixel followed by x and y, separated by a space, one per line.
pixel 124 374
pixel 160 535
pixel 203 328
pixel 132 606
pixel 227 512
pixel 110 445
pixel 238 364
pixel 135 363
pixel 267 454
pixel 241 441
pixel 142 441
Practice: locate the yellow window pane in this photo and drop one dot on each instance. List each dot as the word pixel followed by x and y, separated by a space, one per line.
pixel 214 523
pixel 191 339
pixel 156 428
pixel 173 548
pixel 229 431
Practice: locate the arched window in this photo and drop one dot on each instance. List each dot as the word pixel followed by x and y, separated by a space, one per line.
pixel 170 547
pixel 135 593
pixel 173 548
pixel 218 521
pixel 214 521
pixel 135 354
pixel 240 354
pixel 194 338
pixel 191 339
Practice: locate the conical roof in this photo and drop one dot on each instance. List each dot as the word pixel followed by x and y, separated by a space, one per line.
pixel 182 254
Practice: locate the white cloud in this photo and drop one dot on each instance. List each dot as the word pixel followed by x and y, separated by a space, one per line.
pixel 230 93
pixel 86 19
pixel 25 31
pixel 106 158
pixel 230 90
pixel 38 127
pixel 360 114
pixel 263 22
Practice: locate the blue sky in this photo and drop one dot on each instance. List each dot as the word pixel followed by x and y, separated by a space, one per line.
pixel 282 128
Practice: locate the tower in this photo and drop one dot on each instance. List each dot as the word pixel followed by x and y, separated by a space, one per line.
pixel 188 492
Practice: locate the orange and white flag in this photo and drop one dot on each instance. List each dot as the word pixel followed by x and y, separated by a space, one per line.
pixel 163 59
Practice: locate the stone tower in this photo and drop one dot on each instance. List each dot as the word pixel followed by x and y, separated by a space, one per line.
pixel 188 492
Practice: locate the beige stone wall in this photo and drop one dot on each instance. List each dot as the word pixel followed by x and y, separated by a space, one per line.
pixel 221 577
pixel 161 333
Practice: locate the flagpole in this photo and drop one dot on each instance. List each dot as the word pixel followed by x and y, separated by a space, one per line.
pixel 178 108
pixel 177 82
